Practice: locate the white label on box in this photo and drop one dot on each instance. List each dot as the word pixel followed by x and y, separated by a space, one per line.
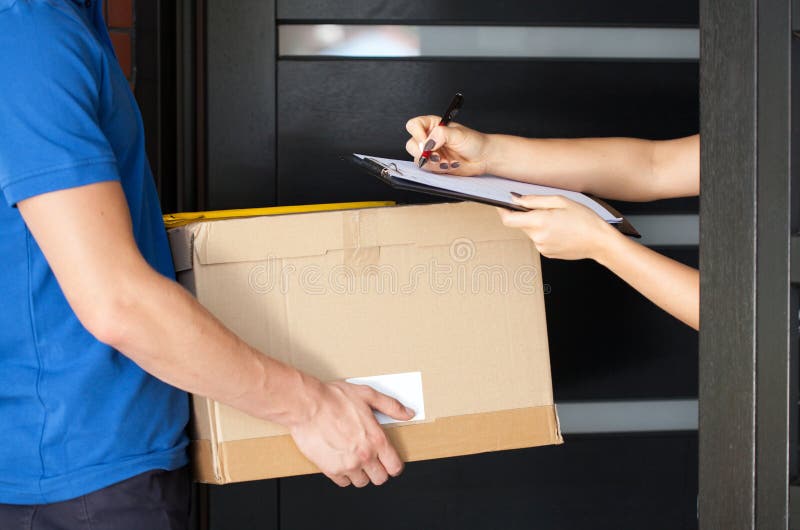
pixel 406 388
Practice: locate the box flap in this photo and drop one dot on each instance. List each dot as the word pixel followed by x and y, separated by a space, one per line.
pixel 315 234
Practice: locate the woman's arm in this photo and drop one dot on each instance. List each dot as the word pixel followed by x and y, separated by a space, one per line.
pixel 671 285
pixel 627 169
pixel 616 168
pixel 564 229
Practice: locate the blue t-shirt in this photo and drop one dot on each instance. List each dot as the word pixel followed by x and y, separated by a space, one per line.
pixel 75 414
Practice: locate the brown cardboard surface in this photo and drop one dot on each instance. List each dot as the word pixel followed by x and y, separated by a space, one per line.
pixel 445 290
pixel 277 456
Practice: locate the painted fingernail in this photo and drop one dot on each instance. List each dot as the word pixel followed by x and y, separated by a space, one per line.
pixel 435 158
pixel 429 145
pixel 455 165
pixel 443 166
pixel 515 194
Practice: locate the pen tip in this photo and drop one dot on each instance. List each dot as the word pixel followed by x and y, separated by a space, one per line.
pixel 422 162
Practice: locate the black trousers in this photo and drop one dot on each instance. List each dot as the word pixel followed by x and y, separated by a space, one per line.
pixel 156 500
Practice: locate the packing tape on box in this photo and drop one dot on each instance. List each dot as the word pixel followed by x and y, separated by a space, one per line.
pixel 174 220
pixel 360 241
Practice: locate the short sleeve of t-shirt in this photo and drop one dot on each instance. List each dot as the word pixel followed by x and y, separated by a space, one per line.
pixel 50 131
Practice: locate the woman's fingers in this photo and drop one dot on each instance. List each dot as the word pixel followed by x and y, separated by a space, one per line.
pixel 413 149
pixel 425 130
pixel 443 142
pixel 420 127
pixel 532 220
pixel 436 163
pixel 536 202
pixel 439 161
pixel 540 207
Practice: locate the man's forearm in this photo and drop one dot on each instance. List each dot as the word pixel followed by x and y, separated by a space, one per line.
pixel 671 285
pixel 156 323
pixel 616 168
pixel 124 302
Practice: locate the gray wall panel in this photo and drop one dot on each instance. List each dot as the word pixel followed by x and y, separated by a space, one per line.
pixel 240 96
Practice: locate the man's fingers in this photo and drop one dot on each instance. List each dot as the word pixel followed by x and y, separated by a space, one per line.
pixel 390 460
pixel 339 480
pixel 536 202
pixel 389 406
pixel 358 478
pixel 376 472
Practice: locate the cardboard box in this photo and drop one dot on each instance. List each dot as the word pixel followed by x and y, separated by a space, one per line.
pixel 445 290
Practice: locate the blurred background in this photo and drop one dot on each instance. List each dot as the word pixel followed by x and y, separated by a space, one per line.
pixel 254 102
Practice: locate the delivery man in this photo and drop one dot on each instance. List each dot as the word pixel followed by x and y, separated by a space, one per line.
pixel 98 344
pixel 616 168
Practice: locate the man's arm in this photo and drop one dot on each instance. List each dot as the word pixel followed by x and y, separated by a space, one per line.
pixel 85 234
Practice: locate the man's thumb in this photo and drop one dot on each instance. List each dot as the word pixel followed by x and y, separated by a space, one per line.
pixel 391 407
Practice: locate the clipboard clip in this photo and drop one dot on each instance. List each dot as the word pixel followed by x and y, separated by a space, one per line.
pixel 386 169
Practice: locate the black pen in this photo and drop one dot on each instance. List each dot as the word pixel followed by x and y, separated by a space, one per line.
pixel 449 114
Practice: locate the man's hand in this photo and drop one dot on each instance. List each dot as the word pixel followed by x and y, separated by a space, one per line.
pixel 560 228
pixel 343 438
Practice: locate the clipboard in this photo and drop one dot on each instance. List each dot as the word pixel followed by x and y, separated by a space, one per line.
pixel 391 175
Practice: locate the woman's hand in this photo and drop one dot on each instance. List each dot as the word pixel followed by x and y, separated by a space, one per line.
pixel 560 228
pixel 457 150
pixel 564 229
